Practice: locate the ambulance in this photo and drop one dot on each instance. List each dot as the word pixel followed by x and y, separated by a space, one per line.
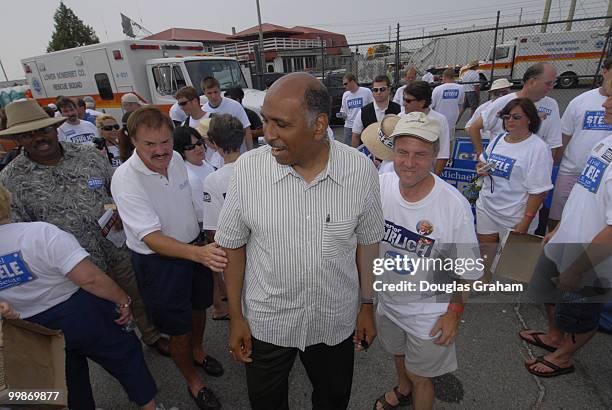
pixel 154 70
pixel 574 54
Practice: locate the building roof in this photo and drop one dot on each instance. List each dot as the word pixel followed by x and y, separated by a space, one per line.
pixel 266 28
pixel 189 34
pixel 309 30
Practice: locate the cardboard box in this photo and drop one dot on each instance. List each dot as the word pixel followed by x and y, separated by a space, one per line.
pixel 517 256
pixel 35 359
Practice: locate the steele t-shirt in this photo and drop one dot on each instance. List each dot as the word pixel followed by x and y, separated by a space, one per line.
pixel 352 103
pixel 35 258
pixel 215 188
pixel 583 119
pixel 446 99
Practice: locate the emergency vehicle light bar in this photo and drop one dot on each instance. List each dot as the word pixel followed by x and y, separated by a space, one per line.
pixel 145 46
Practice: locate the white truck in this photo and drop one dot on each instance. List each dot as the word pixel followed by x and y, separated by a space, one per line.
pixel 573 53
pixel 154 70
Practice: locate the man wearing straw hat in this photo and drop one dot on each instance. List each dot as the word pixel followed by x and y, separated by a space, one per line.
pixel 68 185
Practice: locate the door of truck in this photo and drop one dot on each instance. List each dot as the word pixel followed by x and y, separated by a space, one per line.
pixel 99 71
pixel 165 80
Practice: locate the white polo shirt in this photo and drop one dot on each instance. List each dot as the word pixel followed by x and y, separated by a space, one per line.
pixel 149 202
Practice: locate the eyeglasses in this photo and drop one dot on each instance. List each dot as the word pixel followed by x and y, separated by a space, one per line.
pixel 345 84
pixel 515 117
pixel 409 100
pixel 110 127
pixel 198 143
pixel 379 89
pixel 31 134
pixel 183 103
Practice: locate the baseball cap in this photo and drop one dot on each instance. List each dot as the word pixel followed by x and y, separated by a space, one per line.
pixel 417 124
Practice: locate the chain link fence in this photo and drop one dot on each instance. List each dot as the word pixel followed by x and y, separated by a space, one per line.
pixel 576 48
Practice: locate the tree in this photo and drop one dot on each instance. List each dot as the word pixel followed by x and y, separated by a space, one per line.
pixel 70 31
pixel 382 49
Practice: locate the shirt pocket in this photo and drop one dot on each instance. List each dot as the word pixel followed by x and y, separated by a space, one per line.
pixel 338 239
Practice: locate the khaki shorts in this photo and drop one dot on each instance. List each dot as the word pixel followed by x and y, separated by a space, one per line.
pixel 563 187
pixel 422 357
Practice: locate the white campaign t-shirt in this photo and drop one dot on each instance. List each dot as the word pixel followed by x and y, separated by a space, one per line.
pixel 380 114
pixel 116 159
pixel 148 201
pixel 521 169
pixel 215 188
pixel 446 99
pixel 583 119
pixel 471 77
pixel 177 113
pixel 229 106
pixel 194 123
pixel 353 102
pixel 35 258
pixel 484 134
pixel 82 133
pixel 588 210
pixel 428 228
pixel 548 110
pixel 386 166
pixel 197 175
pixel 398 98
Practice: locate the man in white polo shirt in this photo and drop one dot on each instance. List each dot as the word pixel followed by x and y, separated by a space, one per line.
pixel 154 199
pixel 218 105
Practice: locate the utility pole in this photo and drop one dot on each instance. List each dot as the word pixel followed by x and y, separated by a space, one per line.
pixel 570 16
pixel 521 16
pixel 609 12
pixel 397 57
pixel 3 72
pixel 545 16
pixel 262 57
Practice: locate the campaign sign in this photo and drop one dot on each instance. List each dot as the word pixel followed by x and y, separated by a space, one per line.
pixel 355 103
pixel 450 94
pixel 95 183
pixel 592 174
pixel 594 121
pixel 503 165
pixel 14 271
pixel 405 239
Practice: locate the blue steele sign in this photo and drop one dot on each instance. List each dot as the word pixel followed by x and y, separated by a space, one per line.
pixel 14 271
pixel 450 94
pixel 592 174
pixel 594 121
pixel 355 103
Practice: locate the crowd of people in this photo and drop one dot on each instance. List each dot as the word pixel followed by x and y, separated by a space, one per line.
pixel 281 240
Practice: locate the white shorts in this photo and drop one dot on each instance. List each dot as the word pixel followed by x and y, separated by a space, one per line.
pixel 422 357
pixel 487 224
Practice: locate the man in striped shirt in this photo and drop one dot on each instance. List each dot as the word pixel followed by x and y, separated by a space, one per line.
pixel 301 226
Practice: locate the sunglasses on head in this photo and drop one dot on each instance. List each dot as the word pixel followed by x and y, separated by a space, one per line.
pixel 110 127
pixel 515 117
pixel 30 134
pixel 183 103
pixel 198 143
pixel 379 89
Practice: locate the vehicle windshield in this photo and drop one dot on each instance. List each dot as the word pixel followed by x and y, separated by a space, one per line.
pixel 227 72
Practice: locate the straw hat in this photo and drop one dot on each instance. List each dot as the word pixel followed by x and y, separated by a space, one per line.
pixel 377 137
pixel 26 115
pixel 202 127
pixel 499 84
pixel 473 63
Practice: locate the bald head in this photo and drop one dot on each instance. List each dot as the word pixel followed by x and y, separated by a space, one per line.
pixel 313 94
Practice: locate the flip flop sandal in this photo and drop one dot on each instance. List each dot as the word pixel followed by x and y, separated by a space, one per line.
pixel 404 400
pixel 536 341
pixel 557 371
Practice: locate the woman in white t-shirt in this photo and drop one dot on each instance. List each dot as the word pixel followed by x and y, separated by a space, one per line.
pixel 519 178
pixel 189 143
pixel 109 131
pixel 48 279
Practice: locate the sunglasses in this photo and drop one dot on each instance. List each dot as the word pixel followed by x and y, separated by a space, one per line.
pixel 515 117
pixel 198 143
pixel 183 103
pixel 379 89
pixel 110 127
pixel 345 84
pixel 409 100
pixel 499 93
pixel 30 134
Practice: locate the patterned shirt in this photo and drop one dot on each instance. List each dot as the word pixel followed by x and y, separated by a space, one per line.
pixel 70 195
pixel 301 285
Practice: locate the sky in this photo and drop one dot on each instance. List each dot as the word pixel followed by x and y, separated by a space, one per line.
pixel 27 25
